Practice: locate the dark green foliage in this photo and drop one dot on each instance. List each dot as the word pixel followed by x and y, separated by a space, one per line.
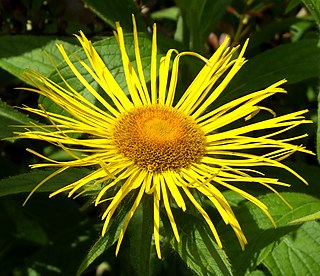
pixel 62 236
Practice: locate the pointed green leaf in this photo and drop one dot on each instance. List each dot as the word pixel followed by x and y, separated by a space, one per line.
pixel 141 252
pixel 292 4
pixel 111 236
pixel 197 247
pixel 261 235
pixel 18 53
pixel 297 253
pixel 10 119
pixel 314 216
pixel 24 183
pixel 199 19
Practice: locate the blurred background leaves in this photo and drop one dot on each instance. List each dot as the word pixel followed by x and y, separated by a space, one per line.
pixel 62 236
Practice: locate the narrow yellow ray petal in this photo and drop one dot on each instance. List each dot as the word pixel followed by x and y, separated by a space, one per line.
pixel 281 121
pixel 106 88
pixel 128 68
pixel 172 181
pixel 106 222
pixel 174 77
pixel 44 181
pixel 196 100
pixel 156 215
pixel 72 102
pixel 133 182
pixel 85 83
pixel 204 215
pixel 72 94
pixel 262 94
pixel 252 160
pixel 129 216
pixel 164 68
pixel 168 208
pixel 108 186
pixel 197 83
pixel 139 63
pixel 129 174
pixel 149 183
pixel 110 85
pixel 214 95
pixel 223 207
pixel 153 72
pixel 90 187
pixel 85 180
pixel 249 197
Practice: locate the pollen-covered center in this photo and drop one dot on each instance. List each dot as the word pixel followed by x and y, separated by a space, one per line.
pixel 159 138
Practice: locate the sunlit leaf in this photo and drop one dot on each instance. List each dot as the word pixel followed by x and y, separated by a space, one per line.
pixel 314 216
pixel 297 253
pixel 314 8
pixel 21 52
pixel 261 235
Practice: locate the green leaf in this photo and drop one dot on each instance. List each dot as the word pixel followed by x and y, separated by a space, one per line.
pixel 294 62
pixel 171 13
pixel 26 227
pixel 261 235
pixel 112 11
pixel 98 248
pixel 268 32
pixel 10 119
pixel 24 183
pixel 212 13
pixel 140 231
pixel 69 231
pixel 298 252
pixel 314 216
pixel 197 247
pixel 318 130
pixel 199 19
pixel 314 8
pixel 291 5
pixel 111 236
pixel 20 52
pixel 257 273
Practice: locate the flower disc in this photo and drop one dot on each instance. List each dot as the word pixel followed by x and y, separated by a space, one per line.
pixel 159 138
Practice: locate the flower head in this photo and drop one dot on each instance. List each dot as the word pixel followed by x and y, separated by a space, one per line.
pixel 158 145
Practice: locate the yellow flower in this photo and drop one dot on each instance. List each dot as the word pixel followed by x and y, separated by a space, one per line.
pixel 160 146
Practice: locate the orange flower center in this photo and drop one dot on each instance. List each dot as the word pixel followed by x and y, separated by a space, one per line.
pixel 159 138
